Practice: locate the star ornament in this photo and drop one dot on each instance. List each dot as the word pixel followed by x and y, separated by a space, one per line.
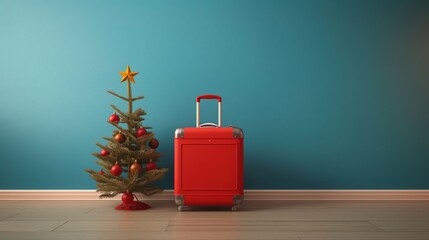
pixel 128 75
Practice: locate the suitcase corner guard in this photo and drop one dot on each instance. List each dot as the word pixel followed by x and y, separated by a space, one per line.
pixel 238 200
pixel 179 133
pixel 237 132
pixel 179 200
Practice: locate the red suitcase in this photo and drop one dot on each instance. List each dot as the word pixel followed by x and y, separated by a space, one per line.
pixel 208 163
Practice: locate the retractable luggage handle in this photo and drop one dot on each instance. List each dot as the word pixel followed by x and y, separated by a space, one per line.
pixel 219 118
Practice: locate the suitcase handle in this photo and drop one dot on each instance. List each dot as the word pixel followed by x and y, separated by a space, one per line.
pixel 219 101
pixel 209 96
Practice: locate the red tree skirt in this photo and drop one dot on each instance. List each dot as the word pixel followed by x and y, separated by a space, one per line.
pixel 135 205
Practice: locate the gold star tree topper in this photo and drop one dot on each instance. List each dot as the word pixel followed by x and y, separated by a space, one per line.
pixel 128 75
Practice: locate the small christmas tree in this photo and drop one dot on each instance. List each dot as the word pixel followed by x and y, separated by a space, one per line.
pixel 126 152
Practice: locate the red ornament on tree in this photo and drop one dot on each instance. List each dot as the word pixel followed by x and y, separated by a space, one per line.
pixel 141 132
pixel 101 172
pixel 120 137
pixel 127 198
pixel 153 143
pixel 104 153
pixel 116 170
pixel 151 165
pixel 114 118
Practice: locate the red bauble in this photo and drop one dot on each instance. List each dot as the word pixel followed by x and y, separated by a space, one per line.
pixel 153 143
pixel 141 132
pixel 104 153
pixel 127 198
pixel 101 172
pixel 150 166
pixel 135 167
pixel 116 170
pixel 120 137
pixel 114 118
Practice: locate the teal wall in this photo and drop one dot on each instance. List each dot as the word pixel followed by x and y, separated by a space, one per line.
pixel 330 94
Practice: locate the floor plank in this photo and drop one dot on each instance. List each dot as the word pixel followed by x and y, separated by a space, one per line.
pixel 411 226
pixel 288 226
pixel 238 235
pixel 114 226
pixel 362 236
pixel 8 213
pixel 33 226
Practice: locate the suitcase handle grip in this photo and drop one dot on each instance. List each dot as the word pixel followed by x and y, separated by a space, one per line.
pixel 209 96
pixel 219 104
pixel 208 125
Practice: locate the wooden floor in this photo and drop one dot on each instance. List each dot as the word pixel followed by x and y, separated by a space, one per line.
pixel 264 220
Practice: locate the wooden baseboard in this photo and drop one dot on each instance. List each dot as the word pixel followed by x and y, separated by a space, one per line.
pixel 248 195
pixel 71 195
pixel 337 194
